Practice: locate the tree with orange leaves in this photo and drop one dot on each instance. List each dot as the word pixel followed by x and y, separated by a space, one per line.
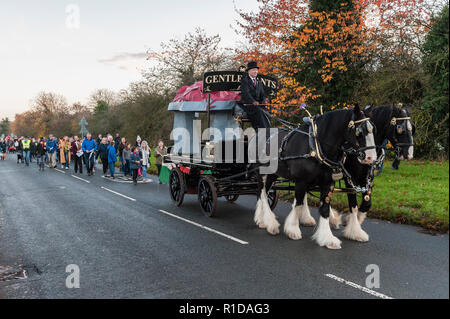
pixel 321 50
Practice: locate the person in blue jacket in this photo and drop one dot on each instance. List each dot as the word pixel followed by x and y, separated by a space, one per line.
pixel 112 158
pixel 135 162
pixel 89 148
pixel 52 146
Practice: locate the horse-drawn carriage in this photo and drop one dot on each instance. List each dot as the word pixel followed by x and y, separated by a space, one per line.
pixel 200 165
pixel 311 156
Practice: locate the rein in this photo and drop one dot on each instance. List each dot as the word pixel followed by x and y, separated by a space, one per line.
pixel 397 145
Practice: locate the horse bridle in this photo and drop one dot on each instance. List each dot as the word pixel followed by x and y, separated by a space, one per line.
pixel 376 165
pixel 399 130
pixel 356 126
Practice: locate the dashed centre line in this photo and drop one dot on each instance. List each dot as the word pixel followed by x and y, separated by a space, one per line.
pixel 81 179
pixel 242 242
pixel 205 228
pixel 119 194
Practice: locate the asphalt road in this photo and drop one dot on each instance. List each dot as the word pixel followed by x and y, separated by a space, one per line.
pixel 136 247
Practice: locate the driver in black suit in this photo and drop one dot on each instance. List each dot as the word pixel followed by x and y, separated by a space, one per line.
pixel 252 95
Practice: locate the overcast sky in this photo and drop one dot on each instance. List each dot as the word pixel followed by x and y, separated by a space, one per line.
pixel 44 47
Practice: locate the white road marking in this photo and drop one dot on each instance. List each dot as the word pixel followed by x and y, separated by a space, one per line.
pixel 81 179
pixel 58 170
pixel 205 228
pixel 109 190
pixel 352 284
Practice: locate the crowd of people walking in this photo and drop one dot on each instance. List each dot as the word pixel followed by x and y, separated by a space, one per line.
pixel 132 160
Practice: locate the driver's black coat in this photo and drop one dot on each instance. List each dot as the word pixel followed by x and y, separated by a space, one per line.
pixel 250 94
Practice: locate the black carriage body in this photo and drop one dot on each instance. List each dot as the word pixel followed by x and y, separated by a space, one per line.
pixel 196 168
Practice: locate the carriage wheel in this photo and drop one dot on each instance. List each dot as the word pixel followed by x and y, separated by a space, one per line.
pixel 273 196
pixel 207 195
pixel 176 186
pixel 231 198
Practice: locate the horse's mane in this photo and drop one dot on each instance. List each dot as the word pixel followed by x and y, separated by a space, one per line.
pixel 336 114
pixel 381 116
pixel 385 111
pixel 330 123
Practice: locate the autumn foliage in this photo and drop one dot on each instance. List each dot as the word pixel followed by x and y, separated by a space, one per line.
pixel 321 49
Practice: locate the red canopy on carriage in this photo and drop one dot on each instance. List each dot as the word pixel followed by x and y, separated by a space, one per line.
pixel 194 93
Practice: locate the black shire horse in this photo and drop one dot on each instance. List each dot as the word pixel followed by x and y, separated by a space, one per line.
pixel 394 124
pixel 337 131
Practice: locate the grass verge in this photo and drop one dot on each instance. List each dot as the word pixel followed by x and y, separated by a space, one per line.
pixel 416 194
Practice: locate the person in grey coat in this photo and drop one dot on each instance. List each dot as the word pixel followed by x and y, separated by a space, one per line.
pixel 126 153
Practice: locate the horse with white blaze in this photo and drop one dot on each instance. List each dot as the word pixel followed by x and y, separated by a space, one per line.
pixel 309 157
pixel 394 124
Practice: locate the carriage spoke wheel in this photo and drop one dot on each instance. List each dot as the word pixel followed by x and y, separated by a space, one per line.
pixel 176 186
pixel 273 196
pixel 207 196
pixel 231 198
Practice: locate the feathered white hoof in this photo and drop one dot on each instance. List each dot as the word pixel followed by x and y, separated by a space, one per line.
pixel 353 230
pixel 293 233
pixel 361 217
pixel 324 237
pixel 335 218
pixel 291 225
pixel 258 218
pixel 305 215
pixel 273 229
pixel 269 218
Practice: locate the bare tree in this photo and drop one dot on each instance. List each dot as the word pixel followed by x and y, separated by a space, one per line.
pixel 182 62
pixel 106 96
pixel 50 103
